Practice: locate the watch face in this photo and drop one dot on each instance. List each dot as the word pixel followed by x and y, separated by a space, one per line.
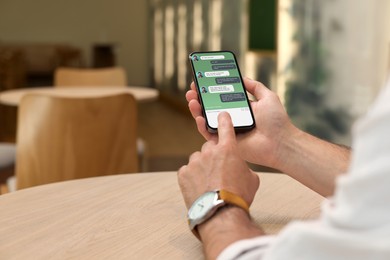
pixel 202 205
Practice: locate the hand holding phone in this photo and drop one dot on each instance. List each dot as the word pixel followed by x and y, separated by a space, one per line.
pixel 220 88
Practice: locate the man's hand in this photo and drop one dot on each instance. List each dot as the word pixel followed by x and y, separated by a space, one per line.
pixel 275 142
pixel 218 166
pixel 260 145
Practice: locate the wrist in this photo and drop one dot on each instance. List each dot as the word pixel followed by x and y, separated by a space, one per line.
pixel 228 225
pixel 286 146
pixel 312 161
pixel 207 205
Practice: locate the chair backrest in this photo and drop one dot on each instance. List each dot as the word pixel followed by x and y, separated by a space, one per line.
pixel 68 77
pixel 68 138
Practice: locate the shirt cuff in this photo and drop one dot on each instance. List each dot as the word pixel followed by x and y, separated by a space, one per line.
pixel 247 248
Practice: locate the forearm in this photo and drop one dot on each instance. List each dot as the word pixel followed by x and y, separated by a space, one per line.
pixel 312 161
pixel 229 225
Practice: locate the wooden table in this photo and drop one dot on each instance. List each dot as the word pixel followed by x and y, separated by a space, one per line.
pixel 134 216
pixel 14 96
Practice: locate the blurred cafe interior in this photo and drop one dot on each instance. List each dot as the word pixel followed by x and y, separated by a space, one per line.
pixel 324 60
pixel 96 88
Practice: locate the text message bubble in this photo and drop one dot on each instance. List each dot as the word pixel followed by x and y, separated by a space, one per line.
pixel 224 67
pixel 213 57
pixel 211 74
pixel 230 80
pixel 221 61
pixel 221 89
pixel 232 97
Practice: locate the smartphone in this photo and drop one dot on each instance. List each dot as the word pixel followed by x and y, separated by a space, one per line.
pixel 220 88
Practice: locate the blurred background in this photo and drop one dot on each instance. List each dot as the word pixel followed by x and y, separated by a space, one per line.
pixel 327 60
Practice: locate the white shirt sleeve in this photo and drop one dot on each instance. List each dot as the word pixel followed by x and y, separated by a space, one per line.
pixel 355 223
pixel 247 249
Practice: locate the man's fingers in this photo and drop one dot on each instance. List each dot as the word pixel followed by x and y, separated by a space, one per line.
pixel 255 88
pixel 194 156
pixel 201 124
pixel 195 108
pixel 208 145
pixel 226 132
pixel 193 87
pixel 191 95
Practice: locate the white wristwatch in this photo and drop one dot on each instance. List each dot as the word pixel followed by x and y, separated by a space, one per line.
pixel 207 205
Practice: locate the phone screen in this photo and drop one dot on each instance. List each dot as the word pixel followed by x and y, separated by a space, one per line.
pixel 220 88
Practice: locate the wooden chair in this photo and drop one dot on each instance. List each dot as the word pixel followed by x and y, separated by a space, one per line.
pixel 68 77
pixel 99 77
pixel 60 138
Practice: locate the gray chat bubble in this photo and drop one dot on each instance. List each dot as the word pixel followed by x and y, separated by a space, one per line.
pixel 232 97
pixel 221 61
pixel 224 67
pixel 227 80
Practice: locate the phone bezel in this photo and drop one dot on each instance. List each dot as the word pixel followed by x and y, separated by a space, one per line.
pixel 209 128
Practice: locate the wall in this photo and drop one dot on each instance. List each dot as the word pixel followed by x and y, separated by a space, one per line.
pixel 357 38
pixel 83 23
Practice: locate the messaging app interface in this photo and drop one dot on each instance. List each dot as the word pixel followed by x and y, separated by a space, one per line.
pixel 221 88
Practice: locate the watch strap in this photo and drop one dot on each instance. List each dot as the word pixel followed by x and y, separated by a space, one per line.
pixel 230 199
